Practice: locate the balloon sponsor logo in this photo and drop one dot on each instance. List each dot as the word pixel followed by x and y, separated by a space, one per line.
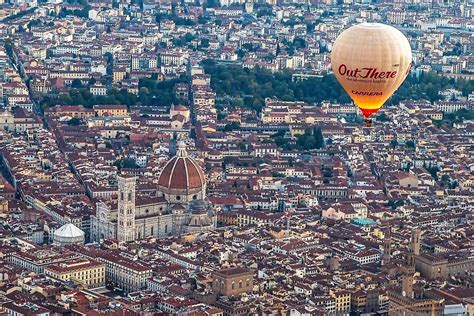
pixel 366 73
pixel 367 93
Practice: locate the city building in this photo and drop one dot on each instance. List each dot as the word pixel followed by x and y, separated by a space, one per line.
pixel 68 234
pixel 179 207
pixel 232 281
pixel 89 273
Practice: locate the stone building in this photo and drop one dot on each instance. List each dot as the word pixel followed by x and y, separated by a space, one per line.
pixel 68 234
pixel 179 205
pixel 232 281
pixel 182 180
pixel 87 272
pixel 443 265
pixel 406 300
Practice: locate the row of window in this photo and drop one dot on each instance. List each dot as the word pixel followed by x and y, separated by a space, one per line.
pixel 233 285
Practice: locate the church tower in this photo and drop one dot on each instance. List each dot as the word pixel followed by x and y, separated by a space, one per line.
pixel 126 208
pixel 408 269
pixel 415 241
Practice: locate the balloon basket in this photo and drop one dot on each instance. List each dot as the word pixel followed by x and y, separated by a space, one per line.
pixel 368 122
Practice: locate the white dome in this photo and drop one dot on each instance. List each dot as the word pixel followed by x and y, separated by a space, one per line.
pixel 68 234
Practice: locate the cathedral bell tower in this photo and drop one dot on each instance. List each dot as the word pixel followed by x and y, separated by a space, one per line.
pixel 126 208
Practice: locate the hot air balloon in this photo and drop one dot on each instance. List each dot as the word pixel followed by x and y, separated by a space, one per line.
pixel 370 61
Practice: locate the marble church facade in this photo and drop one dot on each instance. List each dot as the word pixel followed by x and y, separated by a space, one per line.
pixel 179 207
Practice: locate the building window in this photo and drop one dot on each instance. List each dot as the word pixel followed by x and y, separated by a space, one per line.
pixel 178 198
pixel 195 197
pixel 240 284
pixel 233 285
pixel 247 282
pixel 151 230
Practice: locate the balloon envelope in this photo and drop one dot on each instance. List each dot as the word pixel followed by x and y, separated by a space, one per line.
pixel 370 61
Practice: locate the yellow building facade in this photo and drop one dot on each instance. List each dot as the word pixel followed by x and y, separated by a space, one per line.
pixel 88 272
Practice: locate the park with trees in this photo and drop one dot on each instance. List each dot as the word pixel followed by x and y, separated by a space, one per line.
pixel 254 85
pixel 249 87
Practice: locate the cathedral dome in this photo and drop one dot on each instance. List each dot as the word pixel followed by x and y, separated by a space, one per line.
pixel 182 178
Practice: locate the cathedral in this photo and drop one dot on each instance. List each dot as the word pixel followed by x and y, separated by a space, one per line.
pixel 179 207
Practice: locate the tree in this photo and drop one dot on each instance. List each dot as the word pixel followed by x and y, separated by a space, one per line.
pixel 82 13
pixel 259 83
pixel 49 53
pixel 395 203
pixel 188 37
pixel 291 162
pixel 9 47
pixel 82 96
pixel 276 174
pixel 382 117
pixel 433 171
pixel 311 139
pixel 205 43
pixel 318 135
pixel 33 23
pixel 299 43
pixel 74 122
pixel 410 144
pixel 231 126
pixel 238 103
pixel 265 12
pixel 128 163
pixel 76 83
pixel 393 143
pixel 211 3
pixel 202 19
pixel 249 47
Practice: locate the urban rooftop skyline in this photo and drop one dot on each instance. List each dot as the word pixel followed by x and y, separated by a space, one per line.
pixel 236 157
